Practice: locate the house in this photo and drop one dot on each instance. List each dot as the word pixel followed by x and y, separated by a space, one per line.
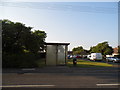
pixel 115 51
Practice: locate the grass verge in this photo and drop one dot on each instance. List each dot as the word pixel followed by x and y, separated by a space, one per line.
pixel 86 63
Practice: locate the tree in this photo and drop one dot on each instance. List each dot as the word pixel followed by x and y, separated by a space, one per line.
pixel 20 45
pixel 103 48
pixel 40 36
pixel 79 50
pixel 17 37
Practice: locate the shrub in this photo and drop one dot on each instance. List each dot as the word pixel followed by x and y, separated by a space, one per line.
pixel 19 60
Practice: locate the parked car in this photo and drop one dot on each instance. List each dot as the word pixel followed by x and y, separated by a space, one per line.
pixel 112 59
pixel 95 56
pixel 88 56
pixel 84 56
pixel 78 56
pixel 70 56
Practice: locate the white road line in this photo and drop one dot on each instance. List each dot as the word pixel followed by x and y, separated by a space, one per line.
pixel 5 86
pixel 108 84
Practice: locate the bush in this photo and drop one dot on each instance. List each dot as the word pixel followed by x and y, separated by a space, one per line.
pixel 19 60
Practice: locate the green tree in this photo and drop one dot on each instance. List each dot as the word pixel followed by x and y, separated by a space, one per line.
pixel 79 50
pixel 20 45
pixel 17 37
pixel 40 36
pixel 103 48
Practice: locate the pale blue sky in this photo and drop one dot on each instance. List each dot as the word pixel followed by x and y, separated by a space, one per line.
pixel 80 23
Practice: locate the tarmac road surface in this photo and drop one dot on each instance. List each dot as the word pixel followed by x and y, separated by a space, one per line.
pixel 61 77
pixel 63 80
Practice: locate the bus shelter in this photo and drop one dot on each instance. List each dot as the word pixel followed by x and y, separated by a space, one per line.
pixel 56 53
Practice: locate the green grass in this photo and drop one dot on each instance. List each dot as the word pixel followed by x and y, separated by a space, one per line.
pixel 80 63
pixel 85 63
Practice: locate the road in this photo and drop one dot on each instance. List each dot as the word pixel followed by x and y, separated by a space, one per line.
pixel 61 77
pixel 63 80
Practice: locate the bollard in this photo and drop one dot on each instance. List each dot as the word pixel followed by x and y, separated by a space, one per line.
pixel 74 61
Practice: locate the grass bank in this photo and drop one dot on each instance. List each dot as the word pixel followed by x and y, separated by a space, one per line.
pixel 86 63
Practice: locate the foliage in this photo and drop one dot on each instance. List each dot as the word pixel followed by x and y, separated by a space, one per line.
pixel 24 60
pixel 79 50
pixel 103 48
pixel 19 60
pixel 17 37
pixel 40 37
pixel 20 44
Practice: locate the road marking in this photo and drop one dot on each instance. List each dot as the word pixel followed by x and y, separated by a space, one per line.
pixel 108 84
pixel 6 86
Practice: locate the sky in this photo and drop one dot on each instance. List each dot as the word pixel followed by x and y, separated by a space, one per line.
pixel 79 23
pixel 60 0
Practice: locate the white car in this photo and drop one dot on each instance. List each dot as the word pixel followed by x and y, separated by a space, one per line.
pixel 112 59
pixel 95 56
